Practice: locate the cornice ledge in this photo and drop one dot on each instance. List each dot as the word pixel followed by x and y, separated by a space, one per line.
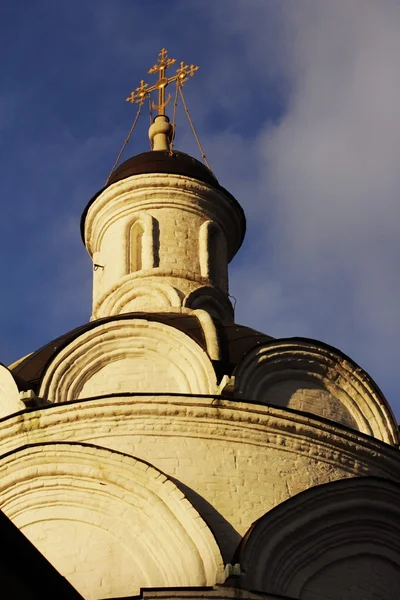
pixel 239 422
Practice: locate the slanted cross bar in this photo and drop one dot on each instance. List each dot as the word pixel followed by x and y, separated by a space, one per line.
pixel 181 76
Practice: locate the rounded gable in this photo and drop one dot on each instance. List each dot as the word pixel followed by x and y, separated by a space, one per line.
pixel 315 378
pixel 110 523
pixel 234 342
pixel 135 355
pixel 343 536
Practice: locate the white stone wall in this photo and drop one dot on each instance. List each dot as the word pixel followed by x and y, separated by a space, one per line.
pixel 197 469
pixel 158 230
pixel 109 523
pixel 134 355
pixel 150 391
pixel 235 460
pixel 309 376
pixel 10 401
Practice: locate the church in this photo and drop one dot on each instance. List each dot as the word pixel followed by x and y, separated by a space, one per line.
pixel 164 451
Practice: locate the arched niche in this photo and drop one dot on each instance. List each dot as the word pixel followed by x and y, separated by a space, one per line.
pixel 110 523
pixel 342 537
pixel 135 259
pixel 314 378
pixel 129 355
pixel 211 301
pixel 142 243
pixel 213 254
pixel 133 295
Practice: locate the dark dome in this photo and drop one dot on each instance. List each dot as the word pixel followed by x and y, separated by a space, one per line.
pixel 161 161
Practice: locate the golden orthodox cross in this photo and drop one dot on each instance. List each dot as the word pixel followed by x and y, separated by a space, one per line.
pixel 182 75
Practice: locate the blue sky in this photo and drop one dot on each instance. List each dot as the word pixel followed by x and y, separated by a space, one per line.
pixel 296 104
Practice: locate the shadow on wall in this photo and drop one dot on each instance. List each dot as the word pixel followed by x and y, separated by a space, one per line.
pixel 342 537
pixel 309 397
pixel 226 536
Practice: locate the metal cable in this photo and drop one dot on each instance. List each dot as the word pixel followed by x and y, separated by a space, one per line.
pixel 126 141
pixel 171 146
pixel 193 129
pixel 150 118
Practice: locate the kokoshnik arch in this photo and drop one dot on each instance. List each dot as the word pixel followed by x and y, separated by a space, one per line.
pixel 161 449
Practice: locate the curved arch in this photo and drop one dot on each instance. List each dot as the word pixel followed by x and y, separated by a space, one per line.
pixel 229 444
pixel 329 385
pixel 213 253
pixel 135 245
pixel 210 300
pixel 138 295
pixel 9 394
pixel 73 500
pixel 138 355
pixel 348 526
pixel 142 245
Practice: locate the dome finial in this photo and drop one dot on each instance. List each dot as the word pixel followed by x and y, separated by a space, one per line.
pixel 161 130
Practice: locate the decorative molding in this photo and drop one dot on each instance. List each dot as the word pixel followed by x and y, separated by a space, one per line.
pixel 124 508
pixel 237 460
pixel 350 528
pixel 215 593
pixel 210 333
pixel 137 354
pixel 213 254
pixel 210 300
pixel 345 384
pixel 168 216
pixel 207 418
pixel 148 247
pixel 151 191
pixel 137 295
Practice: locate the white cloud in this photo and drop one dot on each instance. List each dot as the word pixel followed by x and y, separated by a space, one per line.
pixel 329 177
pixel 296 105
